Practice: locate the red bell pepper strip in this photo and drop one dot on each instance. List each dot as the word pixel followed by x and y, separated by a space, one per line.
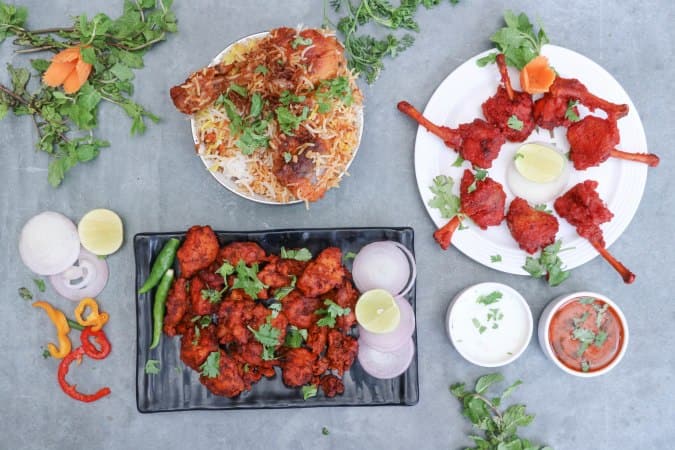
pixel 90 349
pixel 71 389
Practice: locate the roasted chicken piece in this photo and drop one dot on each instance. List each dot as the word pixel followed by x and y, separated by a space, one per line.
pixel 478 142
pixel 176 306
pixel 251 354
pixel 201 88
pixel 196 344
pixel 341 352
pixel 234 315
pixel 583 208
pixel 346 297
pixel 299 174
pixel 322 274
pixel 481 201
pixel 532 229
pixel 279 272
pixel 249 252
pixel 198 251
pixel 593 140
pixel 316 339
pixel 229 382
pixel 507 104
pixel 300 310
pixel 199 298
pixel 297 367
pixel 331 385
pixel 550 111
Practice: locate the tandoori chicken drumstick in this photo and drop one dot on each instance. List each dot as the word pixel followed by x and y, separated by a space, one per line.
pixel 531 228
pixel 583 208
pixel 509 110
pixel 477 142
pixel 481 201
pixel 593 140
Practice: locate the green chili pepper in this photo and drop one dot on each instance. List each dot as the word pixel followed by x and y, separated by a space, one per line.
pixel 163 262
pixel 159 307
pixel 74 325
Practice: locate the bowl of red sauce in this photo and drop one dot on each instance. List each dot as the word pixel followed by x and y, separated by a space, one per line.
pixel 584 333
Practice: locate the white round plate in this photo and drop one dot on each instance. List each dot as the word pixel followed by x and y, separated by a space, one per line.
pixel 458 100
pixel 224 179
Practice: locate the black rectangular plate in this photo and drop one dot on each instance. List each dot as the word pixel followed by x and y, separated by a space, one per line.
pixel 177 387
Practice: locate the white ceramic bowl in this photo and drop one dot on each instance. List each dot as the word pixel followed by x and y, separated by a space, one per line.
pixel 225 180
pixel 545 322
pixel 499 348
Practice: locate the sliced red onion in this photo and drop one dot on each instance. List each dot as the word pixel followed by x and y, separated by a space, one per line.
pixel 86 278
pixel 384 265
pixel 385 365
pixel 387 342
pixel 49 243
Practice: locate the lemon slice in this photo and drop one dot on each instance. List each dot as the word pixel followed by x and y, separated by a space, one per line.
pixel 101 231
pixel 377 311
pixel 539 163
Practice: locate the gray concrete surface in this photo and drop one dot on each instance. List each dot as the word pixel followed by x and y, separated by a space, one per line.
pixel 156 183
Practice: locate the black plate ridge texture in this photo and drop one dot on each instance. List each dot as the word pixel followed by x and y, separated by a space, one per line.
pixel 177 388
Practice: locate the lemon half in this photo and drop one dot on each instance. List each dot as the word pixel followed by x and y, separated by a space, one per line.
pixel 377 311
pixel 101 232
pixel 539 163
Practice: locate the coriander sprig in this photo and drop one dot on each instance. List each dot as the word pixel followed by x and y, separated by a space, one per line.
pixel 63 123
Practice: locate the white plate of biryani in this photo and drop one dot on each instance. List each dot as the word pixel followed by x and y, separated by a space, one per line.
pixel 277 116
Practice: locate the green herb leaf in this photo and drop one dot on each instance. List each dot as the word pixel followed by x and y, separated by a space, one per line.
pixel 268 336
pixel 444 200
pixel 586 300
pixel 299 40
pixel 484 382
pixel 212 295
pixel 549 264
pixel 46 354
pixel 287 98
pixel 517 40
pixel 256 105
pixel 570 112
pixel 152 367
pixel 261 69
pixel 211 367
pixel 25 293
pixel 492 297
pixel 295 337
pixel 543 207
pixel 309 391
pixel 289 122
pixel 349 255
pixel 287 157
pixel 458 162
pixel 225 270
pixel 332 312
pixel 514 123
pixel 301 254
pixel 600 338
pixel 247 279
pixel 325 431
pixel 518 156
pixel 496 258
pixel 241 90
pixel 480 175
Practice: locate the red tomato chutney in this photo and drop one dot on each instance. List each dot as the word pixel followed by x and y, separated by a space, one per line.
pixel 586 334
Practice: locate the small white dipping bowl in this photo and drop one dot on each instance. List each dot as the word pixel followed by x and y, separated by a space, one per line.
pixel 545 323
pixel 494 347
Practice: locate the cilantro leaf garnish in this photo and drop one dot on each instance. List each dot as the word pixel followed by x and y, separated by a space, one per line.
pixel 241 90
pixel 299 40
pixel 548 264
pixel 309 391
pixel 40 284
pixel 301 254
pixel 211 367
pixel 543 208
pixel 570 113
pixel 295 337
pixel 289 122
pixel 496 258
pixel 287 98
pixel 480 175
pixel 275 308
pixel 268 336
pixel 492 297
pixel 152 367
pixel 25 293
pixel 225 270
pixel 515 123
pixel 214 296
pixel 330 313
pixel 247 279
pixel 458 162
pixel 444 200
pixel 284 291
pixel 349 255
pixel 261 69
pixel 336 88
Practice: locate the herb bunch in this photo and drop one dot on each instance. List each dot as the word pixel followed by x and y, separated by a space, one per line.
pixel 548 265
pixel 115 47
pixel 366 52
pixel 518 41
pixel 500 428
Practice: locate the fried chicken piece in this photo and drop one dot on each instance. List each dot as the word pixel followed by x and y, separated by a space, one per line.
pixel 234 315
pixel 249 252
pixel 583 208
pixel 200 306
pixel 485 204
pixel 551 111
pixel 229 382
pixel 198 251
pixel 251 354
pixel 296 367
pixel 278 272
pixel 571 88
pixel 322 274
pixel 211 279
pixel 346 297
pixel 300 310
pixel 176 306
pixel 299 174
pixel 532 229
pixel 201 88
pixel 507 103
pixel 593 140
pixel 341 351
pixel 478 142
pixel 196 344
pixel 316 339
pixel 331 385
pixel 324 58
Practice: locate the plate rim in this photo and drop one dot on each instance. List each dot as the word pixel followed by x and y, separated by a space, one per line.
pixel 139 298
pixel 584 249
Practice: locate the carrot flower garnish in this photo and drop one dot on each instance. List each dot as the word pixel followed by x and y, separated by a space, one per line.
pixel 68 69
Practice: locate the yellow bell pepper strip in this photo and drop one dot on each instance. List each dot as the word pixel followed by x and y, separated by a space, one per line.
pixel 62 330
pixel 95 320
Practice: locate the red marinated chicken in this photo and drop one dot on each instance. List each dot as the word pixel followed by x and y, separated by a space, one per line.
pixel 195 346
pixel 482 201
pixel 478 142
pixel 593 140
pixel 509 110
pixel 229 381
pixel 249 252
pixel 198 251
pixel 583 208
pixel 297 367
pixel 531 228
pixel 176 306
pixel 322 274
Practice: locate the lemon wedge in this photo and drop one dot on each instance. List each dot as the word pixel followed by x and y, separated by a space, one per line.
pixel 539 163
pixel 101 232
pixel 377 311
